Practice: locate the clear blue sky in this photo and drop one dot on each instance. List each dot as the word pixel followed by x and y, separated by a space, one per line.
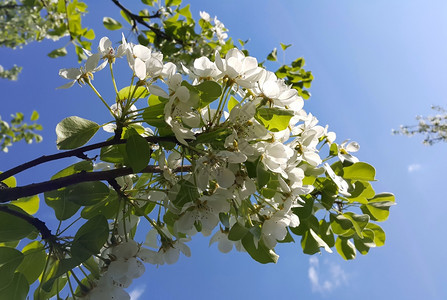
pixel 377 64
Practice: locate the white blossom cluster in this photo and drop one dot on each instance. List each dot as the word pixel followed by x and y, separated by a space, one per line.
pixel 219 180
pixel 124 266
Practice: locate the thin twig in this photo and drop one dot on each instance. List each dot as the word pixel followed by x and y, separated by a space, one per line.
pixel 141 20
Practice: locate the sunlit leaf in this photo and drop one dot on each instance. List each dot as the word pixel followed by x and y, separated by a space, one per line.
pixel 73 132
pixel 111 24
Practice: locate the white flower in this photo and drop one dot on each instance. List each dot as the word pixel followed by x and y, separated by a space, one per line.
pixel 223 243
pixel 205 210
pixel 108 52
pixel 243 70
pixel 168 253
pixel 205 16
pixel 276 156
pixel 345 148
pixel 82 74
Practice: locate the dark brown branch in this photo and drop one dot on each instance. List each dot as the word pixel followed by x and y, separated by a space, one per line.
pixel 10 194
pixel 45 232
pixel 79 152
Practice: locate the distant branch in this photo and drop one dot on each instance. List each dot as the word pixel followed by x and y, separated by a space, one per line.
pixel 9 194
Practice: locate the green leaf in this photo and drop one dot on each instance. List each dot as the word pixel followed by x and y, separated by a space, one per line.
pixel 274 119
pixel 129 91
pixel 359 171
pixel 260 253
pixel 183 192
pixel 340 224
pixel 284 47
pixel 208 92
pixel 113 154
pixel 10 181
pixel 358 221
pixel 138 152
pixel 364 244
pixel 262 175
pixel 58 52
pixel 378 208
pixel 271 188
pixel 311 243
pixel 143 40
pixel 107 207
pixel 89 34
pixel 111 24
pixel 232 103
pixel 17 289
pixel 362 192
pixel 213 136
pixel 34 261
pixel 85 165
pixel 34 116
pixel 148 2
pixel 186 12
pixel 306 210
pixel 237 232
pixel 155 115
pixel 298 63
pixel 90 238
pixel 28 204
pixel 87 193
pixel 173 2
pixel 10 259
pixel 333 150
pixel 13 228
pixel 345 248
pixel 379 234
pixel 73 132
pixel 63 266
pixel 58 200
pixel 273 55
pixel 93 267
pixel 326 234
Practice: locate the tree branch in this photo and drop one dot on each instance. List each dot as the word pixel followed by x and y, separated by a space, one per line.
pixel 79 152
pixel 9 194
pixel 45 232
pixel 141 20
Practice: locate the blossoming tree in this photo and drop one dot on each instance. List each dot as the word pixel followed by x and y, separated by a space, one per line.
pixel 203 140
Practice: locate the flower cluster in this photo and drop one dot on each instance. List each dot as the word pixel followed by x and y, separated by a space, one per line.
pixel 124 266
pixel 244 147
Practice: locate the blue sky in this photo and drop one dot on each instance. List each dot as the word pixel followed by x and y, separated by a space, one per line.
pixel 377 64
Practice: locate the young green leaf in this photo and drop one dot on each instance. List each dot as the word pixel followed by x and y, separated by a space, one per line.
pixel 274 119
pixel 10 259
pixel 138 152
pixel 111 24
pixel 13 228
pixel 73 132
pixel 345 248
pixel 33 262
pixel 359 171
